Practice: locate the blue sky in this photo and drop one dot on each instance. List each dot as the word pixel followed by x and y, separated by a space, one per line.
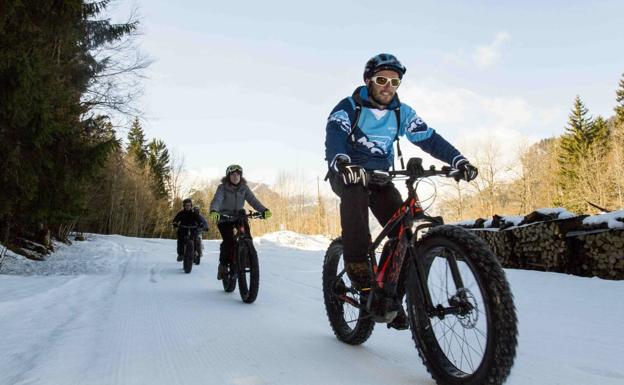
pixel 252 82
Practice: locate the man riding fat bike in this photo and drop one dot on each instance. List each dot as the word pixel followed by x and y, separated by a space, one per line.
pixel 189 216
pixel 360 134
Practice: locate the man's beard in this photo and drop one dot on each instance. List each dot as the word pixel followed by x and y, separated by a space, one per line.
pixel 378 101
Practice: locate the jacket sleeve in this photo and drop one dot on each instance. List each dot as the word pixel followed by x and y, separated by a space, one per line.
pixel 215 205
pixel 425 137
pixel 177 217
pixel 337 132
pixel 253 201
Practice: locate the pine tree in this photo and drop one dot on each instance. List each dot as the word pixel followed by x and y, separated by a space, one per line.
pixel 158 161
pixel 619 98
pixel 578 137
pixel 601 136
pixel 51 142
pixel 136 143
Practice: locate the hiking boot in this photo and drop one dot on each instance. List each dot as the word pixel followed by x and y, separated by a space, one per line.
pixel 180 257
pixel 222 271
pixel 196 259
pixel 360 275
pixel 400 320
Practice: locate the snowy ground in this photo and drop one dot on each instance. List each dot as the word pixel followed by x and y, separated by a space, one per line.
pixel 117 310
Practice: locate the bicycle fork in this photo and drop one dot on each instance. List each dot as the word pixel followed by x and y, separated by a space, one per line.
pixel 459 304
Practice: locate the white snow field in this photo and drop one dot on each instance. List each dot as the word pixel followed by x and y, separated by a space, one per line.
pixel 118 310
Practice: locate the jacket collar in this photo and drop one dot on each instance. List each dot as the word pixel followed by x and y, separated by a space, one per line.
pixel 361 97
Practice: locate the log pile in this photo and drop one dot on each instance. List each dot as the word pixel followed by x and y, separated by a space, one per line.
pixel 600 253
pixel 501 243
pixel 545 242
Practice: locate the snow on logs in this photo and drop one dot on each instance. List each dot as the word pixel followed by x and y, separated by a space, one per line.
pixel 557 240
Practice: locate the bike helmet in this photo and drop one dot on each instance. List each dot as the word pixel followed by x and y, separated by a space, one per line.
pixel 383 61
pixel 233 168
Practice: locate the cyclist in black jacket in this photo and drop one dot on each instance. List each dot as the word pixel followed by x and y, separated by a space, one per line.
pixel 187 217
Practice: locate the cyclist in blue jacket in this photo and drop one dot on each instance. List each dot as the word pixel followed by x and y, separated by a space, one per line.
pixel 360 134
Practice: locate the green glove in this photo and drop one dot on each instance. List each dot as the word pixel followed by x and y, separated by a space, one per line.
pixel 267 214
pixel 214 216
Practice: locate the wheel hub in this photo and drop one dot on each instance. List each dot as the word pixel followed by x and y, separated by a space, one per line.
pixel 468 315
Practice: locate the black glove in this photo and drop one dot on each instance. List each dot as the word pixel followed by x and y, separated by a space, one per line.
pixel 351 173
pixel 464 170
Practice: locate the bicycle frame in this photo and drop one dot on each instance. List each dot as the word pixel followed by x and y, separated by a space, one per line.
pixel 388 271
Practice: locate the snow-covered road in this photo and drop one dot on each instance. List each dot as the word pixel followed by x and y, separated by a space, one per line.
pixel 117 310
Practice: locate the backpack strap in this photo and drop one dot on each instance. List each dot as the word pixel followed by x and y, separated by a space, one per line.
pixel 358 110
pixel 397 112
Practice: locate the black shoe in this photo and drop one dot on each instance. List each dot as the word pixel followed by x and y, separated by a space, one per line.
pixel 196 259
pixel 400 321
pixel 180 257
pixel 359 274
pixel 222 271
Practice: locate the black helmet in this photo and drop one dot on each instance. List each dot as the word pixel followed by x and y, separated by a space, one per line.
pixel 233 168
pixel 383 61
pixel 187 200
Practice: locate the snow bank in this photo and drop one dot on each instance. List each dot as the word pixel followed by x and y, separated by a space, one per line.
pixel 611 219
pixel 99 254
pixel 294 240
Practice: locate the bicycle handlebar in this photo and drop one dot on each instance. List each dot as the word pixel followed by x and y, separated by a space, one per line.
pixel 413 171
pixel 188 227
pixel 251 214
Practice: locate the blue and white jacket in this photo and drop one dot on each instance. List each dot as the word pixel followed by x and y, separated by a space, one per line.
pixel 376 131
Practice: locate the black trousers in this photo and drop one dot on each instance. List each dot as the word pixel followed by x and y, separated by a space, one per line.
pixel 227 234
pixel 354 203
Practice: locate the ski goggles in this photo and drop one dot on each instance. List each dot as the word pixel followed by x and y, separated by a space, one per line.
pixel 234 168
pixel 382 81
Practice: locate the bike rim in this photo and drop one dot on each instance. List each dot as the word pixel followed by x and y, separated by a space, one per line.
pixel 462 338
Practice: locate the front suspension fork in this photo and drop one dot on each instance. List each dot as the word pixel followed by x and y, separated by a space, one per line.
pixel 457 303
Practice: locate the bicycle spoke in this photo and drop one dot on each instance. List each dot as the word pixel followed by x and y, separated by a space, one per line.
pixel 469 346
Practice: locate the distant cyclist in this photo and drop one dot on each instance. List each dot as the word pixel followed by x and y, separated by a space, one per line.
pixel 228 201
pixel 360 134
pixel 187 217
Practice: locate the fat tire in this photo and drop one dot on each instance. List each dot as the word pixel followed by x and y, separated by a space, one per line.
pixel 502 328
pixel 333 306
pixel 189 252
pixel 248 290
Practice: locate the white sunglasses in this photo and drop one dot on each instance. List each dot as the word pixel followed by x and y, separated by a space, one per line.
pixel 382 81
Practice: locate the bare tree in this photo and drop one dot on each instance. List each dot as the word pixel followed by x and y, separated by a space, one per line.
pixel 174 183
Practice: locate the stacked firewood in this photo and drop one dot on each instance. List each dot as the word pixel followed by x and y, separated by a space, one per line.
pixel 501 244
pixel 601 253
pixel 538 246
pixel 544 242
